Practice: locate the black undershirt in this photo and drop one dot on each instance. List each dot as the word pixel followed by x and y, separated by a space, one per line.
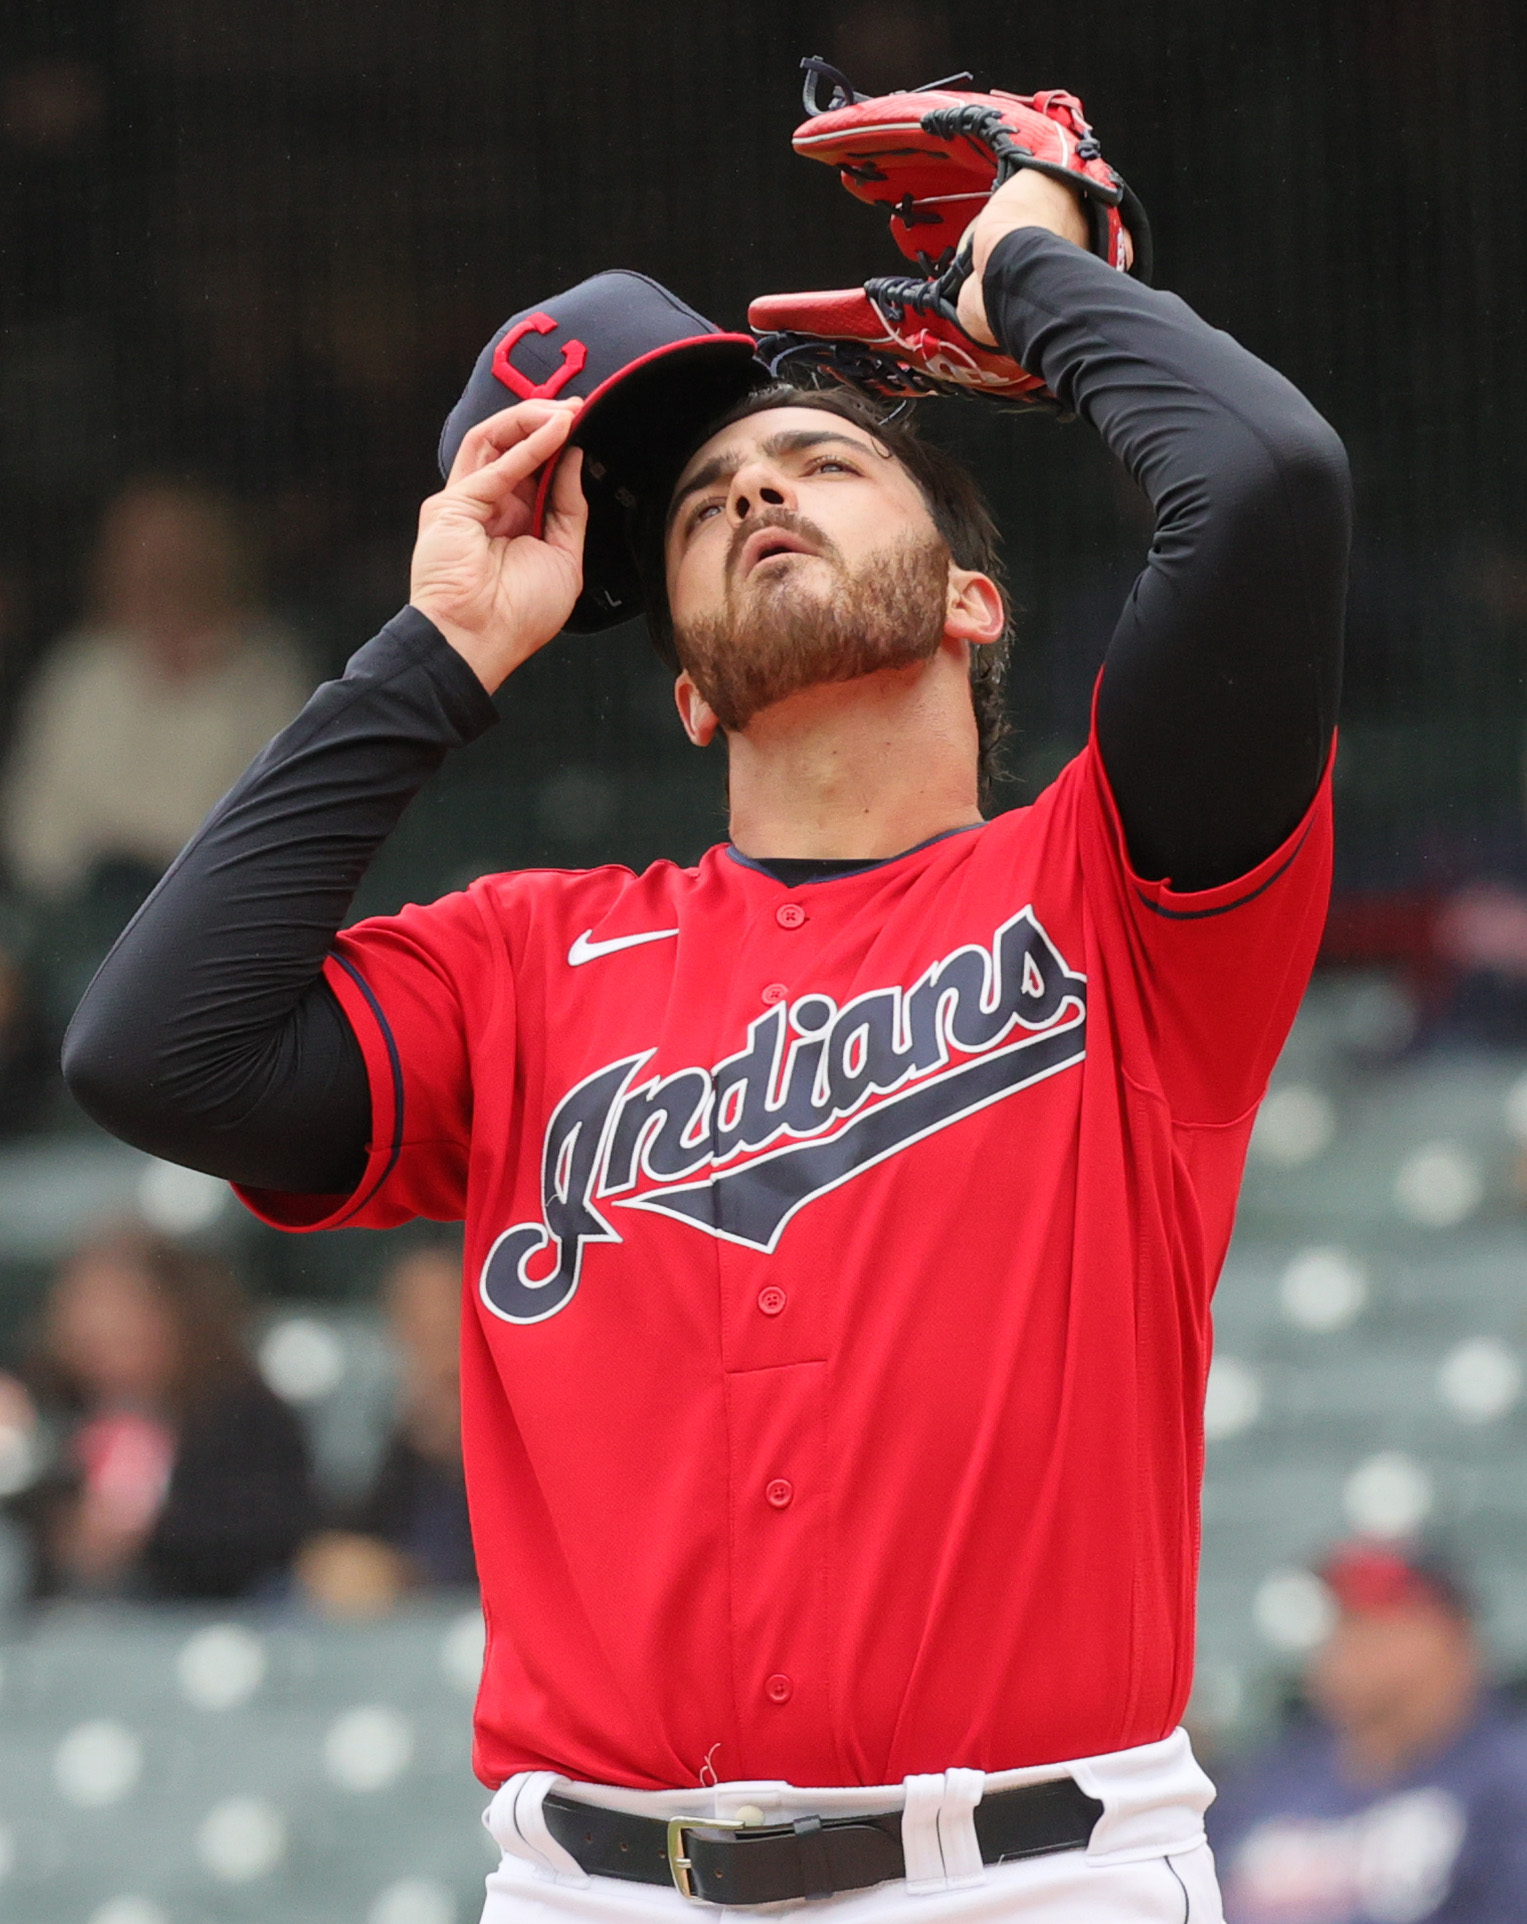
pixel 792 870
pixel 209 1036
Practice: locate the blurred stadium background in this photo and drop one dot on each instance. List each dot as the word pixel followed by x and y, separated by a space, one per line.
pixel 253 246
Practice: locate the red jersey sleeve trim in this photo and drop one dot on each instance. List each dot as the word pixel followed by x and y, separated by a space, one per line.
pixel 284 1209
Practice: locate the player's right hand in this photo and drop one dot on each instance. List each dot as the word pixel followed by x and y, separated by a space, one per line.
pixel 496 591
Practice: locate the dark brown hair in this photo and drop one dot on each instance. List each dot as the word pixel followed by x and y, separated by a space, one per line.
pixel 955 502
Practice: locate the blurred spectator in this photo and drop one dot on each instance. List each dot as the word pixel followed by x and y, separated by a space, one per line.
pixel 411 1530
pixel 418 1502
pixel 139 720
pixel 172 1470
pixel 1406 1796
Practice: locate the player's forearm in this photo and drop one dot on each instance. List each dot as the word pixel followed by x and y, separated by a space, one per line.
pixel 1178 401
pixel 1220 687
pixel 207 1036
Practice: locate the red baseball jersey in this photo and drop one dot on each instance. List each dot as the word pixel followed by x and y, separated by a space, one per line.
pixel 839 1262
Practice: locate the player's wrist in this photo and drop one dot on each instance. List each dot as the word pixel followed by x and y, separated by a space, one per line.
pixel 1029 199
pixel 490 658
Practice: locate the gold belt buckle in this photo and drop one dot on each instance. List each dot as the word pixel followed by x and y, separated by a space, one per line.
pixel 679 1865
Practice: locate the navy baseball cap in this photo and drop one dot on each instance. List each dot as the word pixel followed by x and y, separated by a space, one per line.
pixel 652 374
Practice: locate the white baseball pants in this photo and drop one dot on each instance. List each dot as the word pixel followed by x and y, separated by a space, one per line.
pixel 1147 1862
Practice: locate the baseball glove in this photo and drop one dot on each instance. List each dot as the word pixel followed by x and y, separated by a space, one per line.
pixel 932 157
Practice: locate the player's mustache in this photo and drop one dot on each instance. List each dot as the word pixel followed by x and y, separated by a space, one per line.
pixel 821 542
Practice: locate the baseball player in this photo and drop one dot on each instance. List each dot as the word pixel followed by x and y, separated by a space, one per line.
pixel 843 1212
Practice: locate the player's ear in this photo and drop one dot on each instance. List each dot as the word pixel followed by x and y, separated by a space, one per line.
pixel 695 712
pixel 976 612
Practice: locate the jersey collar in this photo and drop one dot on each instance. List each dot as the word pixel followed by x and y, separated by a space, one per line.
pixel 762 867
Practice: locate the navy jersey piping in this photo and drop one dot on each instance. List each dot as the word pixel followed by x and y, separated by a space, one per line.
pixel 1198 915
pixel 859 868
pixel 396 1067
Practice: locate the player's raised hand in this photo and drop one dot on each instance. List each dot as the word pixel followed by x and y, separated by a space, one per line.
pixel 496 591
pixel 1029 199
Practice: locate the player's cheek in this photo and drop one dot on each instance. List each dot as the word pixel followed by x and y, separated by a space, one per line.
pixel 702 568
pixel 686 595
pixel 862 528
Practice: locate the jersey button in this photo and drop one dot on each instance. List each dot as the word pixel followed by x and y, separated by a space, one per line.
pixel 772 1300
pixel 779 1688
pixel 790 915
pixel 779 1492
pixel 775 992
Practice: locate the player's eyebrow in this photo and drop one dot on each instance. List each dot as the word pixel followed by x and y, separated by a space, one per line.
pixel 721 467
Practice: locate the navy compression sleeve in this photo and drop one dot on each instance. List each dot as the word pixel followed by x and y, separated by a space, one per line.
pixel 1220 686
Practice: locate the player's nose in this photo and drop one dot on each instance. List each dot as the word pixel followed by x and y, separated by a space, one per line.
pixel 759 484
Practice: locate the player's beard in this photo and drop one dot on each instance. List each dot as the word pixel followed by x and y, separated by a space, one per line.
pixel 778 635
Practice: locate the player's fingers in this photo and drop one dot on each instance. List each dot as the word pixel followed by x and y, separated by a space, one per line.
pixel 567 512
pixel 489 487
pixel 492 438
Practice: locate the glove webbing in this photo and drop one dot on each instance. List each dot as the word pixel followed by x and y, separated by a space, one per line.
pixel 984 127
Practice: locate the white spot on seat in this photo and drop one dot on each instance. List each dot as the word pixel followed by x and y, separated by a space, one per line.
pixel 1515 1110
pixel 1480 1379
pixel 368 1748
pixel 20 1459
pixel 1293 1610
pixel 130 1910
pixel 1439 1186
pixel 1293 1125
pixel 177 1201
pixel 221 1667
pixel 1388 1495
pixel 461 1652
pixel 302 1359
pixel 1233 1399
pixel 1323 1289
pixel 413 1900
pixel 97 1764
pixel 241 1838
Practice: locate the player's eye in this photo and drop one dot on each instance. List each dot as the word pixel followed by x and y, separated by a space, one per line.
pixel 702 514
pixel 833 461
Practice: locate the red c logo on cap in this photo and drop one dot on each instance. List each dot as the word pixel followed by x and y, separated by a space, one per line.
pixel 574 354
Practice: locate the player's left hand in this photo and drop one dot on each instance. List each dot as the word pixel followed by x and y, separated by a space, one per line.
pixel 496 591
pixel 1028 200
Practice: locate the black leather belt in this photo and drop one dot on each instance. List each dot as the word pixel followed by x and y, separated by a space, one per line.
pixel 731 1863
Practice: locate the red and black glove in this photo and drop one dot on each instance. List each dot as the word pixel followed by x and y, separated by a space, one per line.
pixel 932 158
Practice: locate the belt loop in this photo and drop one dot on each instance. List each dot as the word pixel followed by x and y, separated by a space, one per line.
pixel 919 1833
pixel 816 1878
pixel 957 1838
pixel 529 1818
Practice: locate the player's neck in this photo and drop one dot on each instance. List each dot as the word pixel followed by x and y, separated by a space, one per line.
pixel 859 769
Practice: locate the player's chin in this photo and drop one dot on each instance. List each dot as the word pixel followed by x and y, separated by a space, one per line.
pixel 788 562
pixel 788 577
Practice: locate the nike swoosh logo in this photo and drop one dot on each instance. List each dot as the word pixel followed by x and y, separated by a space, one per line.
pixel 583 950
